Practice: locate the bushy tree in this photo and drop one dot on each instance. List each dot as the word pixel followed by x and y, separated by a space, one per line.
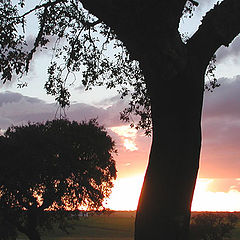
pixel 165 71
pixel 212 226
pixel 58 165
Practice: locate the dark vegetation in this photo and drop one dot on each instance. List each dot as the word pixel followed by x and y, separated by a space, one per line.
pixel 120 226
pixel 166 73
pixel 213 226
pixel 58 165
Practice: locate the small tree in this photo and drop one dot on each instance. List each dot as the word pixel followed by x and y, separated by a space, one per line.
pixel 58 165
pixel 212 226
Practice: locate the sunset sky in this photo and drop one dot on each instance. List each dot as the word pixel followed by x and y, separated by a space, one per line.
pixel 218 185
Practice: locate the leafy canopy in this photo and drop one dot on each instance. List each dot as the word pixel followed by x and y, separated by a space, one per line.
pixel 81 43
pixel 58 165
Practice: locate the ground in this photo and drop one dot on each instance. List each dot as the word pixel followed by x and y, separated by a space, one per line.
pixel 116 226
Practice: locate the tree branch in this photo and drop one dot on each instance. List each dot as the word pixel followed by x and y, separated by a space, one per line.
pixel 113 11
pixel 133 25
pixel 219 27
pixel 44 5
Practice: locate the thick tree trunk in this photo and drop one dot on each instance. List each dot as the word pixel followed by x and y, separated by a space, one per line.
pixel 165 202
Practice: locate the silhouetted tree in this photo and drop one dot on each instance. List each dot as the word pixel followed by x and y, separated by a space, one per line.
pixel 212 226
pixel 58 165
pixel 165 72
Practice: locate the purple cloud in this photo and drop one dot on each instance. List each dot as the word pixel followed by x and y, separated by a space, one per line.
pixel 221 131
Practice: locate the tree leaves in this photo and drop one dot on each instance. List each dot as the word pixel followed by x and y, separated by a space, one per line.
pixel 83 46
pixel 57 165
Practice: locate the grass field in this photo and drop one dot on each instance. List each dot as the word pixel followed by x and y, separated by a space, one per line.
pixel 236 232
pixel 116 226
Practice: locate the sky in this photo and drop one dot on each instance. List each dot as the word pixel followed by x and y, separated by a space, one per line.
pixel 218 184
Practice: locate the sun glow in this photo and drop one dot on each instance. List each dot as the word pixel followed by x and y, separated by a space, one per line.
pixel 126 192
pixel 205 200
pixel 128 136
pixel 130 145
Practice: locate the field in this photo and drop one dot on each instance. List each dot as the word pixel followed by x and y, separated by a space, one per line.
pixel 116 226
pixel 236 232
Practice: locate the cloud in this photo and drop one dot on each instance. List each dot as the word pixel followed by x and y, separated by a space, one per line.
pixel 224 101
pixel 216 195
pixel 10 97
pixel 231 52
pixel 221 131
pixel 224 185
pixel 128 136
pixel 108 102
pixel 17 109
pixel 80 88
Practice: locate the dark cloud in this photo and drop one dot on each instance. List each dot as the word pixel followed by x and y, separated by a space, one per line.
pixel 109 117
pixel 10 97
pixel 221 131
pixel 17 109
pixel 224 102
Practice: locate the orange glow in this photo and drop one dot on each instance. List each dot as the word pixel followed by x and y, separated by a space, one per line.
pixel 211 194
pixel 126 193
pixel 128 136
pixel 205 200
pixel 125 131
pixel 130 145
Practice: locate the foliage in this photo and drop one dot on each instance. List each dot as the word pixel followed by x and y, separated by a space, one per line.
pixel 58 165
pixel 212 226
pixel 210 74
pixel 81 44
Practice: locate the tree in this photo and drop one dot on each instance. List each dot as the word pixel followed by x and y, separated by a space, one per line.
pixel 212 226
pixel 165 72
pixel 58 165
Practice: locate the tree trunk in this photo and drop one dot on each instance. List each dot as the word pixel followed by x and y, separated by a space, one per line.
pixel 165 201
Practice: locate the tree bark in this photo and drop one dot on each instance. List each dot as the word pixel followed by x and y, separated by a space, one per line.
pixel 165 202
